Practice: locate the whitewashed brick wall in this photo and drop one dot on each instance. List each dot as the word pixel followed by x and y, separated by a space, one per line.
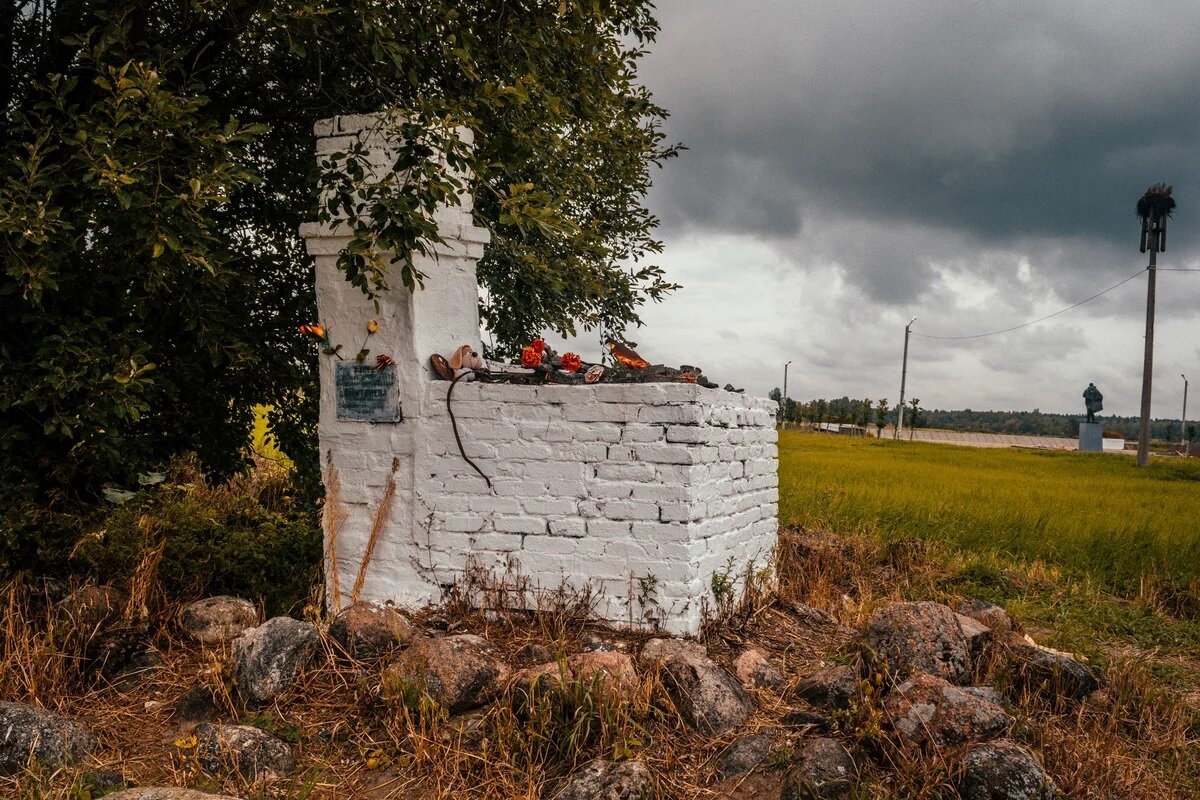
pixel 617 486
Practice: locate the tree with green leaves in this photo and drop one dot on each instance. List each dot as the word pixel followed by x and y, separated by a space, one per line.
pixel 158 161
pixel 881 416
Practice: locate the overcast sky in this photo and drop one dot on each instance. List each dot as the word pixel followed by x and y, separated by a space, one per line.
pixel 975 165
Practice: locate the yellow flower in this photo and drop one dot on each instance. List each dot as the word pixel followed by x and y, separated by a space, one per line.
pixel 372 326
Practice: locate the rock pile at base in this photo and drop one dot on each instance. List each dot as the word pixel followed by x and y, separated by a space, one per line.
pixel 29 733
pixel 267 659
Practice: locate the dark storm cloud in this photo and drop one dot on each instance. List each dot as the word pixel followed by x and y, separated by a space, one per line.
pixel 902 122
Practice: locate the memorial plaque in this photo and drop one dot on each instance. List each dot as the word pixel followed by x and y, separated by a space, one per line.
pixel 367 394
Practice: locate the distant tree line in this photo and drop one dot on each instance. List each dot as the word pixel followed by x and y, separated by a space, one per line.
pixel 879 413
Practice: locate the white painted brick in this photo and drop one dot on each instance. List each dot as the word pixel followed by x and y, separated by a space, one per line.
pixel 466 523
pixel 600 412
pixel 608 529
pixel 636 432
pixel 550 506
pixel 497 542
pixel 569 526
pixel 597 432
pixel 634 472
pixel 677 415
pixel 489 504
pixel 666 454
pixel 509 524
pixel 662 492
pixel 631 510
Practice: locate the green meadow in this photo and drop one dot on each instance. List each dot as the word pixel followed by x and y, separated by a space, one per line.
pixel 1095 516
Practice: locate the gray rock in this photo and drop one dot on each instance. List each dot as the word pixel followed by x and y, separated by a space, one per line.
pixel 745 754
pixel 979 636
pixel 267 659
pixel 989 614
pixel 242 751
pixel 459 672
pixel 707 697
pixel 920 637
pixel 606 780
pixel 833 687
pixel 367 630
pixel 215 621
pixel 756 672
pixel 1003 771
pixel 166 793
pixel 928 710
pixel 48 738
pixel 824 770
pixel 1040 669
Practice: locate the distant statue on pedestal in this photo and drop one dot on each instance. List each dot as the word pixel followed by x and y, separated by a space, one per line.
pixel 1093 400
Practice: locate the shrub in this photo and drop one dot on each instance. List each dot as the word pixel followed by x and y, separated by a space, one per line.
pixel 251 537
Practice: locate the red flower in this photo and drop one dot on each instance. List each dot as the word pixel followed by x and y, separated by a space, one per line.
pixel 530 356
pixel 538 345
pixel 383 361
pixel 571 362
pixel 688 377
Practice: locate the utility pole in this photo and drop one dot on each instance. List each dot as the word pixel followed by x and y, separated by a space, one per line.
pixel 1153 208
pixel 783 400
pixel 903 379
pixel 1183 422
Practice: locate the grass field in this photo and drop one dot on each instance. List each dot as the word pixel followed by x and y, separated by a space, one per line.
pixel 1093 515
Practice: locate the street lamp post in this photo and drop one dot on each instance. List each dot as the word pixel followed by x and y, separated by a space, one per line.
pixel 783 400
pixel 903 379
pixel 1153 208
pixel 1183 441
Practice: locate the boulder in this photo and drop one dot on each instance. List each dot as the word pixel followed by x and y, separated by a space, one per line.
pixel 216 621
pixel 989 614
pixel 833 687
pixel 823 770
pixel 744 754
pixel 368 630
pixel 978 635
pixel 267 659
pixel 926 709
pixel 608 780
pixel 1003 771
pixel 1046 671
pixel 755 671
pixel 657 651
pixel 166 793
pixel 92 607
pixel 50 739
pixel 613 668
pixel 459 672
pixel 707 697
pixel 920 637
pixel 242 751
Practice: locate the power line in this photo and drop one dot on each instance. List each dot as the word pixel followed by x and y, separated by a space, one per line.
pixel 1042 319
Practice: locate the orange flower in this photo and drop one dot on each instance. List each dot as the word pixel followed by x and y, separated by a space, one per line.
pixel 530 356
pixel 688 377
pixel 538 345
pixel 315 330
pixel 571 362
pixel 372 326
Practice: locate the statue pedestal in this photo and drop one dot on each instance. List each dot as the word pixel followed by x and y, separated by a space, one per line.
pixel 1091 437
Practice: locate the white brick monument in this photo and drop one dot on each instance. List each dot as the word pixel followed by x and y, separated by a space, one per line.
pixel 642 491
